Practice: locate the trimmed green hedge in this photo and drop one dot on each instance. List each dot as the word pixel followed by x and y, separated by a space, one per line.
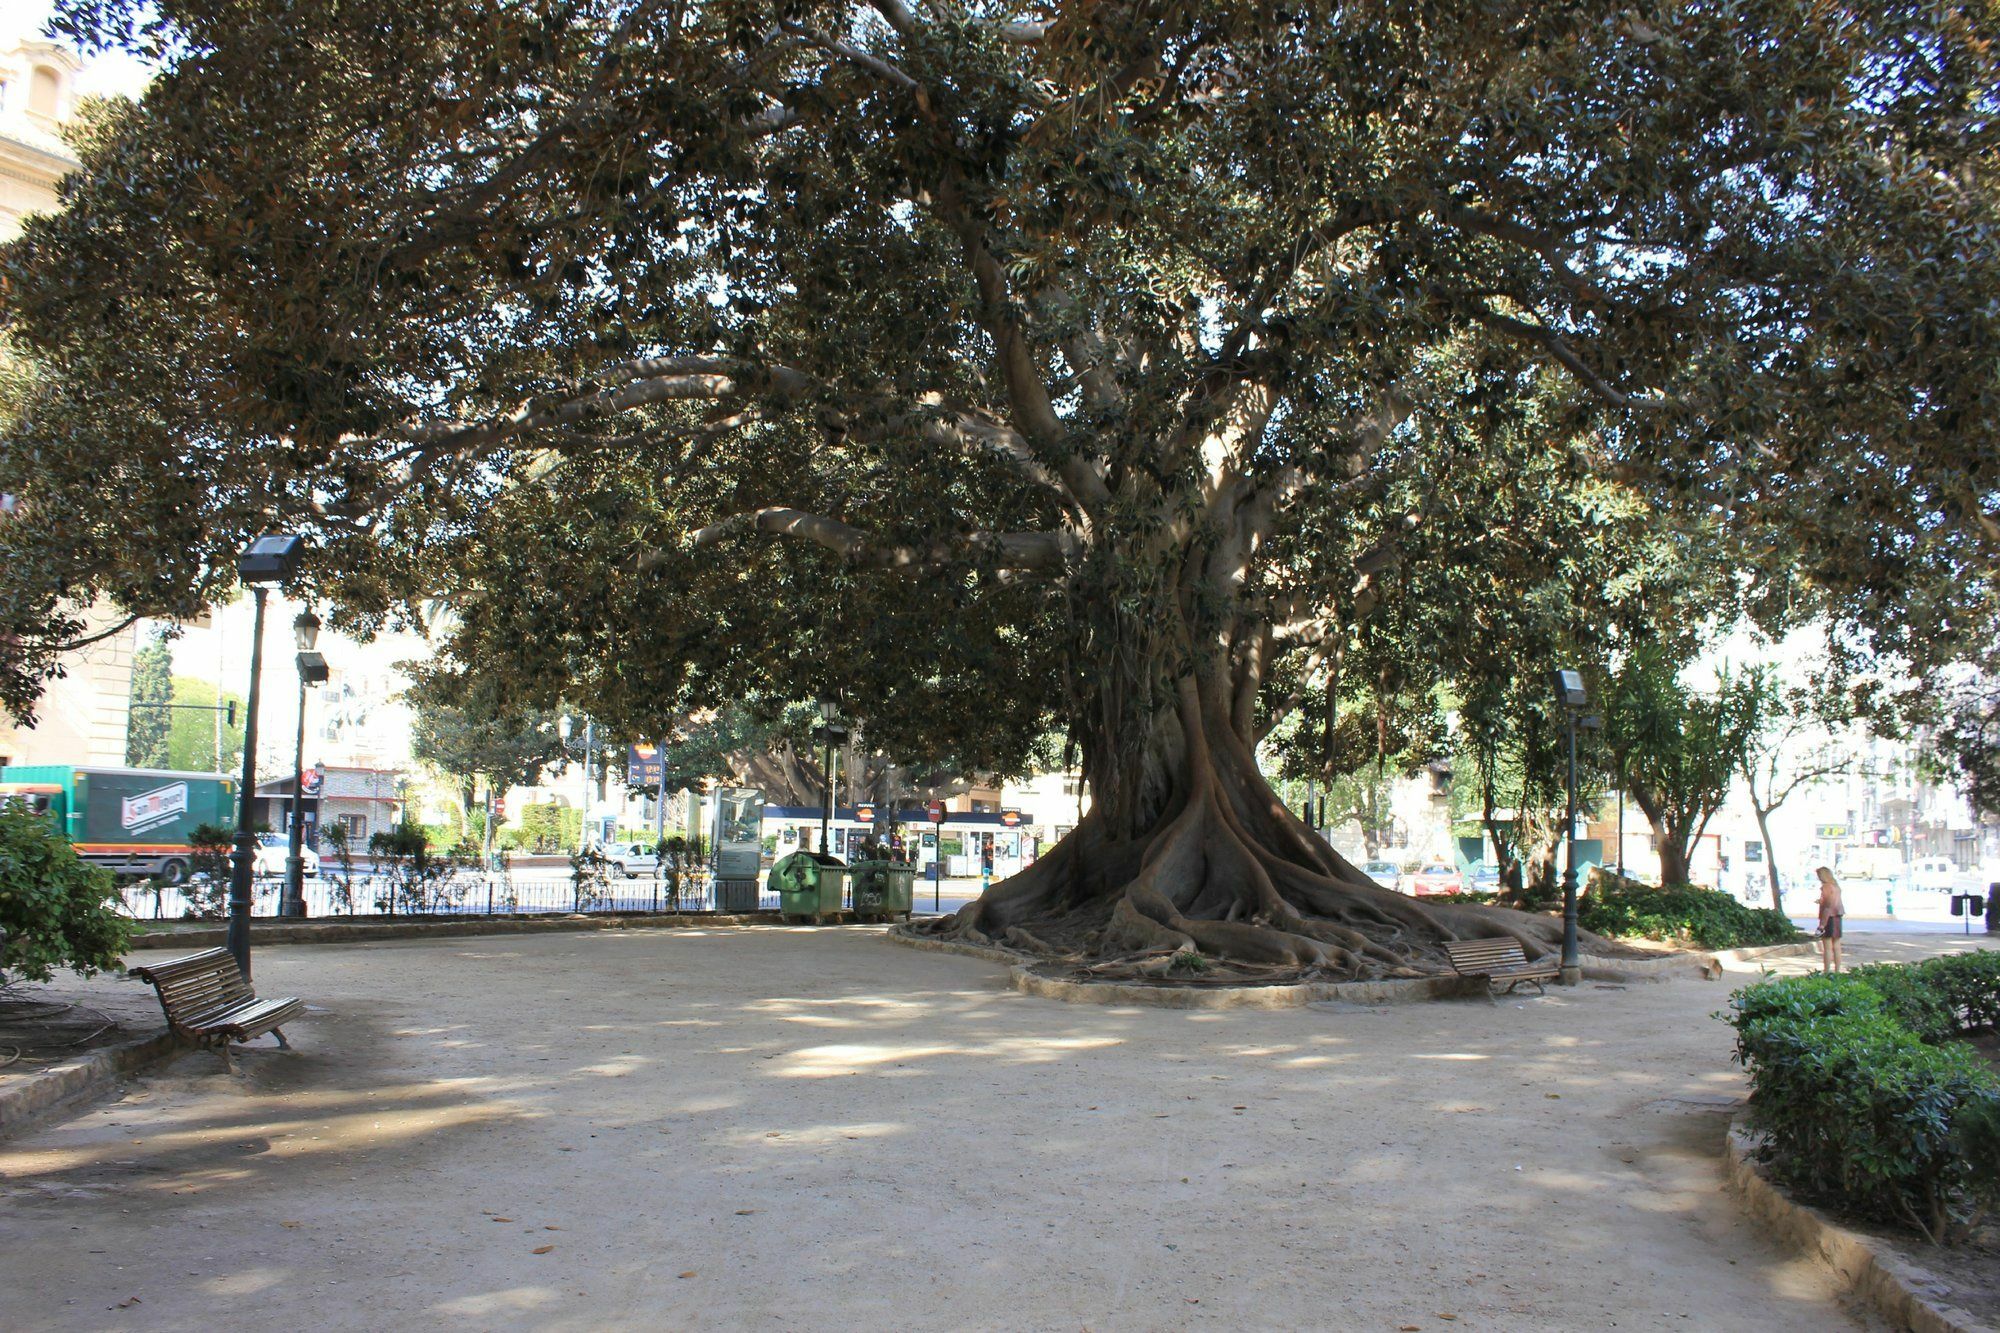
pixel 1683 914
pixel 1866 1093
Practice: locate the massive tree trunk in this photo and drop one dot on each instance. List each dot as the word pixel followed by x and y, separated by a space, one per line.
pixel 1188 849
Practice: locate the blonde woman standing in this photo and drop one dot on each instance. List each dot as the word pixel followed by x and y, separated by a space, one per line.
pixel 1831 910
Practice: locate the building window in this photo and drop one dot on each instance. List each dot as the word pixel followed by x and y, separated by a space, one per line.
pixel 43 90
pixel 356 826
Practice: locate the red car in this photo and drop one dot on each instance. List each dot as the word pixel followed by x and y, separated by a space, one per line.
pixel 1436 878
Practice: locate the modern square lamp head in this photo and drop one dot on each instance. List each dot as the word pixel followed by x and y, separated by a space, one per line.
pixel 1569 688
pixel 271 558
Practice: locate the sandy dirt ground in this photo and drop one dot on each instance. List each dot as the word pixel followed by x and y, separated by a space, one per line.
pixel 800 1129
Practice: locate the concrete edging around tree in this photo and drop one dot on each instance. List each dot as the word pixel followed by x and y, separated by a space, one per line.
pixel 35 1096
pixel 1905 1294
pixel 1024 977
pixel 266 931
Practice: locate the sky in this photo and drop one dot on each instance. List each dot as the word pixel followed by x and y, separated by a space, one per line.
pixel 105 74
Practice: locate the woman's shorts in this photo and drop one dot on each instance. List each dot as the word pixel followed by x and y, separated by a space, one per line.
pixel 1830 928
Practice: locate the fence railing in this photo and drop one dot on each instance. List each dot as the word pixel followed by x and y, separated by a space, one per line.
pixel 468 893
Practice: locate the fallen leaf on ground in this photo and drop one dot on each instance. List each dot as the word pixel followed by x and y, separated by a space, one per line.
pixel 503 1219
pixel 542 1249
pixel 689 1273
pixel 745 1212
pixel 127 1303
pixel 548 1228
pixel 288 1224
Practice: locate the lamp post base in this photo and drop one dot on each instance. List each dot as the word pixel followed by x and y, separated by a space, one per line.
pixel 1571 976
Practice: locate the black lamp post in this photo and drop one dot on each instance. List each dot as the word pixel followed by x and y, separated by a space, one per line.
pixel 312 671
pixel 271 558
pixel 828 732
pixel 1569 691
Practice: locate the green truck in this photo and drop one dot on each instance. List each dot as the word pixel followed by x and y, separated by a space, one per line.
pixel 134 821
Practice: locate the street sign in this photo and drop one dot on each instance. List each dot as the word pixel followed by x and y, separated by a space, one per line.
pixel 499 808
pixel 865 813
pixel 936 809
pixel 1826 832
pixel 1010 818
pixel 313 779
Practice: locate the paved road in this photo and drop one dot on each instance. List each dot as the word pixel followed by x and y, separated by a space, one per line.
pixel 813 1129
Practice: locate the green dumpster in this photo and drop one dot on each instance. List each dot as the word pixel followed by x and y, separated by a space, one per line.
pixel 882 889
pixel 809 885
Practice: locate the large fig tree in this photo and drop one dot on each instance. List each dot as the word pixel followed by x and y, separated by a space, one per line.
pixel 999 362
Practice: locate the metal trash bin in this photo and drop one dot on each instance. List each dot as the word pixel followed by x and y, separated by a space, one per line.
pixel 882 889
pixel 809 885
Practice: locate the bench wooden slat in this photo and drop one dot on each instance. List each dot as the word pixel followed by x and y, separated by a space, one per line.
pixel 204 996
pixel 1499 959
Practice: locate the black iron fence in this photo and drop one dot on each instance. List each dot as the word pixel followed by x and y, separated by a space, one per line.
pixel 377 893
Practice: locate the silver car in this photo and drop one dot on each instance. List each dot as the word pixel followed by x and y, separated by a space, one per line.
pixel 631 859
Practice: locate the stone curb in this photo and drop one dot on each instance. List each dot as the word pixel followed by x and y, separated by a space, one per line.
pixel 1803 949
pixel 36 1095
pixel 1904 1293
pixel 340 932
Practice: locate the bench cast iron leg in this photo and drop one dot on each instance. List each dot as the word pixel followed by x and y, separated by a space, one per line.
pixel 279 1033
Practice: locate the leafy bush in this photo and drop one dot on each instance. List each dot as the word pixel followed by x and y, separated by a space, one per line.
pixel 1864 1093
pixel 209 868
pixel 56 909
pixel 413 876
pixel 341 888
pixel 1969 984
pixel 590 879
pixel 1683 914
pixel 1911 996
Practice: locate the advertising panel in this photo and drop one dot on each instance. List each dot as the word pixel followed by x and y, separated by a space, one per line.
pixel 739 833
pixel 642 765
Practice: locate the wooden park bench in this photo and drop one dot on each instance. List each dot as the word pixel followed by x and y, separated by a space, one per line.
pixel 207 1001
pixel 1500 959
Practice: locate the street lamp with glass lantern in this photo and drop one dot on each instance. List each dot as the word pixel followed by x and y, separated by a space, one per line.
pixel 827 733
pixel 1570 694
pixel 271 558
pixel 313 670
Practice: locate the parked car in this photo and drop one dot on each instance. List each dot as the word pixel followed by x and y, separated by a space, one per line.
pixel 274 849
pixel 632 859
pixel 1486 879
pixel 1436 878
pixel 1385 873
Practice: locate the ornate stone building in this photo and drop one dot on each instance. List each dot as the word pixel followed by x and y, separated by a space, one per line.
pixel 83 713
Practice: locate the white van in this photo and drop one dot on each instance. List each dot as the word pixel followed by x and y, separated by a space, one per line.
pixel 1932 874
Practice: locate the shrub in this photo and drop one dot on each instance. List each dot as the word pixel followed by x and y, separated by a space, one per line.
pixel 1969 985
pixel 56 909
pixel 209 867
pixel 1863 1093
pixel 414 877
pixel 1911 996
pixel 1682 913
pixel 589 877
pixel 337 841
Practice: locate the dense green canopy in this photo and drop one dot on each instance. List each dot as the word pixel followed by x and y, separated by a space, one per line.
pixel 1014 363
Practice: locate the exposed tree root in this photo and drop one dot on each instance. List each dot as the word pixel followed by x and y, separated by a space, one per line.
pixel 1227 873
